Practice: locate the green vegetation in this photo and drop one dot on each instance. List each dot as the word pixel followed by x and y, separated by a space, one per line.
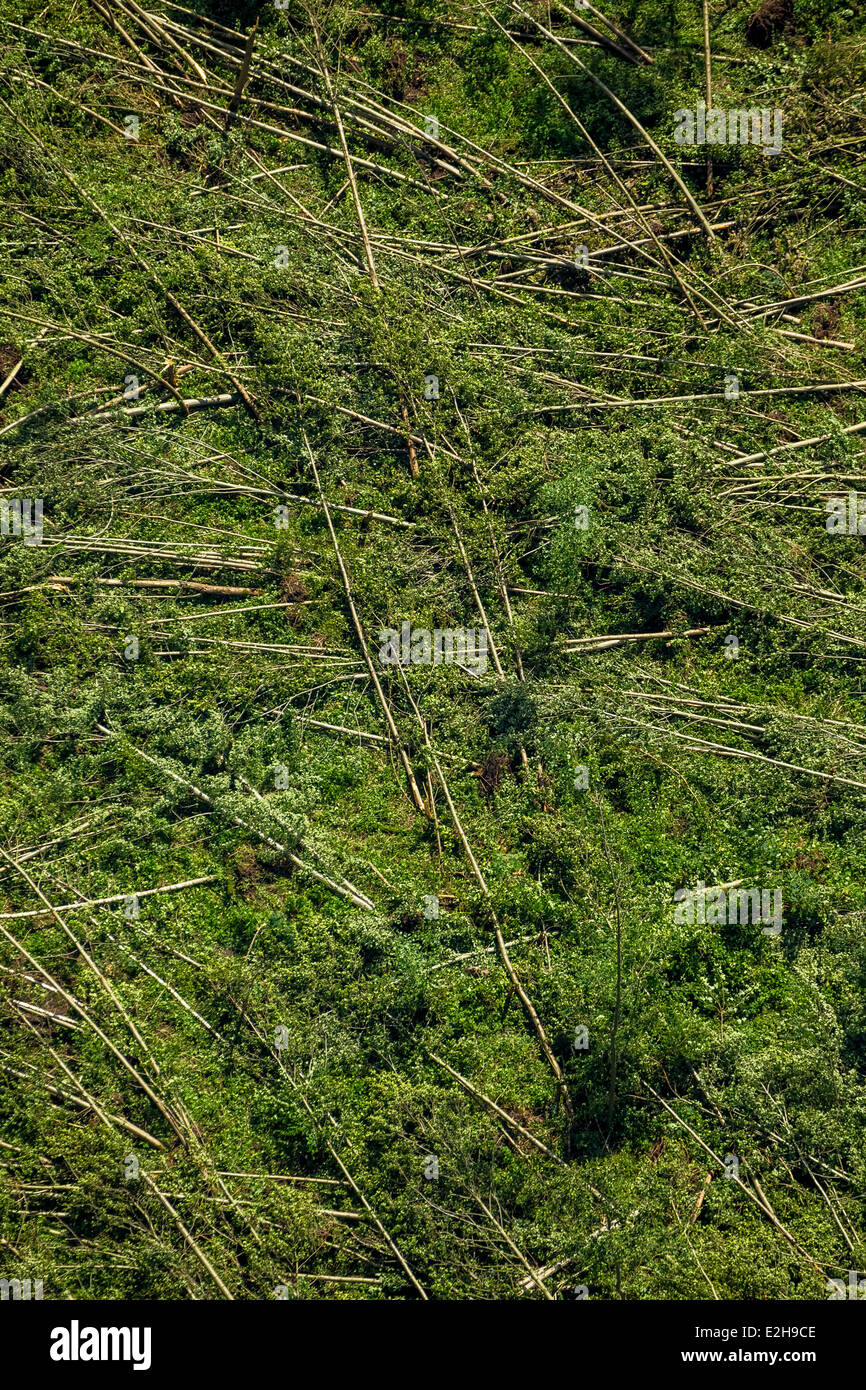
pixel 374 983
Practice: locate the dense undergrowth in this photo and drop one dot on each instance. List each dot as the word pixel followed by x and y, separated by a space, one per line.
pixel 416 1013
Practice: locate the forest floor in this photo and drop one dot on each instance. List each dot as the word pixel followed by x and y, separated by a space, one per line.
pixel 524 954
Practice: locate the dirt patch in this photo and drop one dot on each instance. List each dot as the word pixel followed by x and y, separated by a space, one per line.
pixel 245 864
pixel 786 435
pixel 771 17
pixel 9 356
pixel 492 773
pixel 825 320
pixel 293 589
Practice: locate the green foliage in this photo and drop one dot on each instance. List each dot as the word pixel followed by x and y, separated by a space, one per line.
pixel 234 946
